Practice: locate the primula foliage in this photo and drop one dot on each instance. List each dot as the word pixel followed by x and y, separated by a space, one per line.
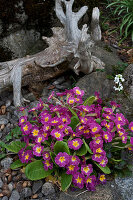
pixel 76 142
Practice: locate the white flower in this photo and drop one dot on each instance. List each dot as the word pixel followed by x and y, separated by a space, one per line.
pixel 122 79
pixel 116 80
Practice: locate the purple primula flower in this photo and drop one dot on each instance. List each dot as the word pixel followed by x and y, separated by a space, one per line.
pixel 62 159
pixel 78 100
pixel 43 113
pixel 39 139
pixel 35 131
pixel 119 126
pixel 37 150
pixel 47 165
pixel 25 155
pixel 90 183
pixel 108 116
pixel 46 127
pixel 131 126
pixel 55 121
pixel 80 128
pixel 102 178
pixel 95 128
pixel 98 142
pixel 124 139
pixel 33 109
pixel 22 120
pixel 131 140
pixel 46 119
pixel 65 119
pixel 71 100
pixel 97 157
pixel 74 160
pixel 72 169
pixel 58 134
pixel 51 95
pixel 107 125
pixel 108 111
pixel 99 150
pixel 46 155
pixel 104 162
pixel 120 118
pixel 78 180
pixel 68 130
pixel 26 128
pixel 75 144
pixel 98 99
pixel 84 120
pixel 121 132
pixel 107 137
pixel 62 127
pixel 114 105
pixel 86 169
pixel 86 108
pixel 77 91
pixel 40 105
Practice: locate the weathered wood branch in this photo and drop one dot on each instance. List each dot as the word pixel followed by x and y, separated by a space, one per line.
pixel 68 47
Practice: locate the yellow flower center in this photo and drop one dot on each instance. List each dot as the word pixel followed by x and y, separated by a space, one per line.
pixel 64 120
pixel 86 169
pixel 47 127
pixel 107 125
pixel 98 141
pixel 79 180
pixel 99 150
pixel 47 163
pixel 71 167
pixel 45 134
pixel 118 125
pixel 98 155
pixel 102 162
pixel 102 177
pixel 39 139
pixel 62 159
pixel 55 121
pixel 60 126
pixel 57 135
pixel 25 128
pixel 89 180
pixel 66 131
pixel 132 128
pixel 73 159
pixel 120 133
pixel 75 143
pixel 38 149
pixel 71 101
pixel 106 137
pixel 35 132
pixel 46 119
pixel 81 127
pixel 129 148
pixel 78 92
pixel 119 119
pixel 94 129
pixel 22 120
pixel 97 135
pixel 26 157
pixel 107 117
pixel 86 131
pixel 46 155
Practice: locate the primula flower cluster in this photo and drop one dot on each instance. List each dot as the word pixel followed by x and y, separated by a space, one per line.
pixel 85 130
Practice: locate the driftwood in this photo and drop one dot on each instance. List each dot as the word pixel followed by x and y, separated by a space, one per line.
pixel 68 47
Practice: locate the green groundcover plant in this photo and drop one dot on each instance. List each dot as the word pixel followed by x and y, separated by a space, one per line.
pixel 124 9
pixel 75 142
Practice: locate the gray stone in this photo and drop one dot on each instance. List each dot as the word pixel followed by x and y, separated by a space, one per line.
pixel 8 103
pixel 125 185
pixel 63 86
pixel 59 81
pixel 65 196
pixel 128 75
pixel 1 183
pixel 5 198
pixel 30 97
pixel 3 120
pixel 37 186
pixel 96 81
pixel 26 192
pixel 10 186
pixel 21 16
pixel 6 162
pixel 15 195
pixel 48 189
pixel 45 93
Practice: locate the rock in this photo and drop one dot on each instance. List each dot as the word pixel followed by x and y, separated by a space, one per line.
pixel 21 16
pixel 15 195
pixel 65 196
pixel 95 81
pixel 5 198
pixel 30 97
pixel 125 186
pixel 1 183
pixel 128 75
pixel 37 186
pixel 3 120
pixel 45 93
pixel 10 186
pixel 26 192
pixel 63 86
pixel 48 189
pixel 59 81
pixel 6 162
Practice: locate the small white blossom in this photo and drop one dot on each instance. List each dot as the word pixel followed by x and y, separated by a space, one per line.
pixel 118 81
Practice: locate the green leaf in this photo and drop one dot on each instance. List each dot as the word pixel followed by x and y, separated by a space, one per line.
pixel 82 151
pixel 66 181
pixel 74 122
pixel 15 146
pixel 52 155
pixel 98 120
pixel 106 170
pixel 2 155
pixel 2 144
pixel 89 101
pixel 16 164
pixel 35 171
pixel 72 111
pixel 87 147
pixel 61 146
